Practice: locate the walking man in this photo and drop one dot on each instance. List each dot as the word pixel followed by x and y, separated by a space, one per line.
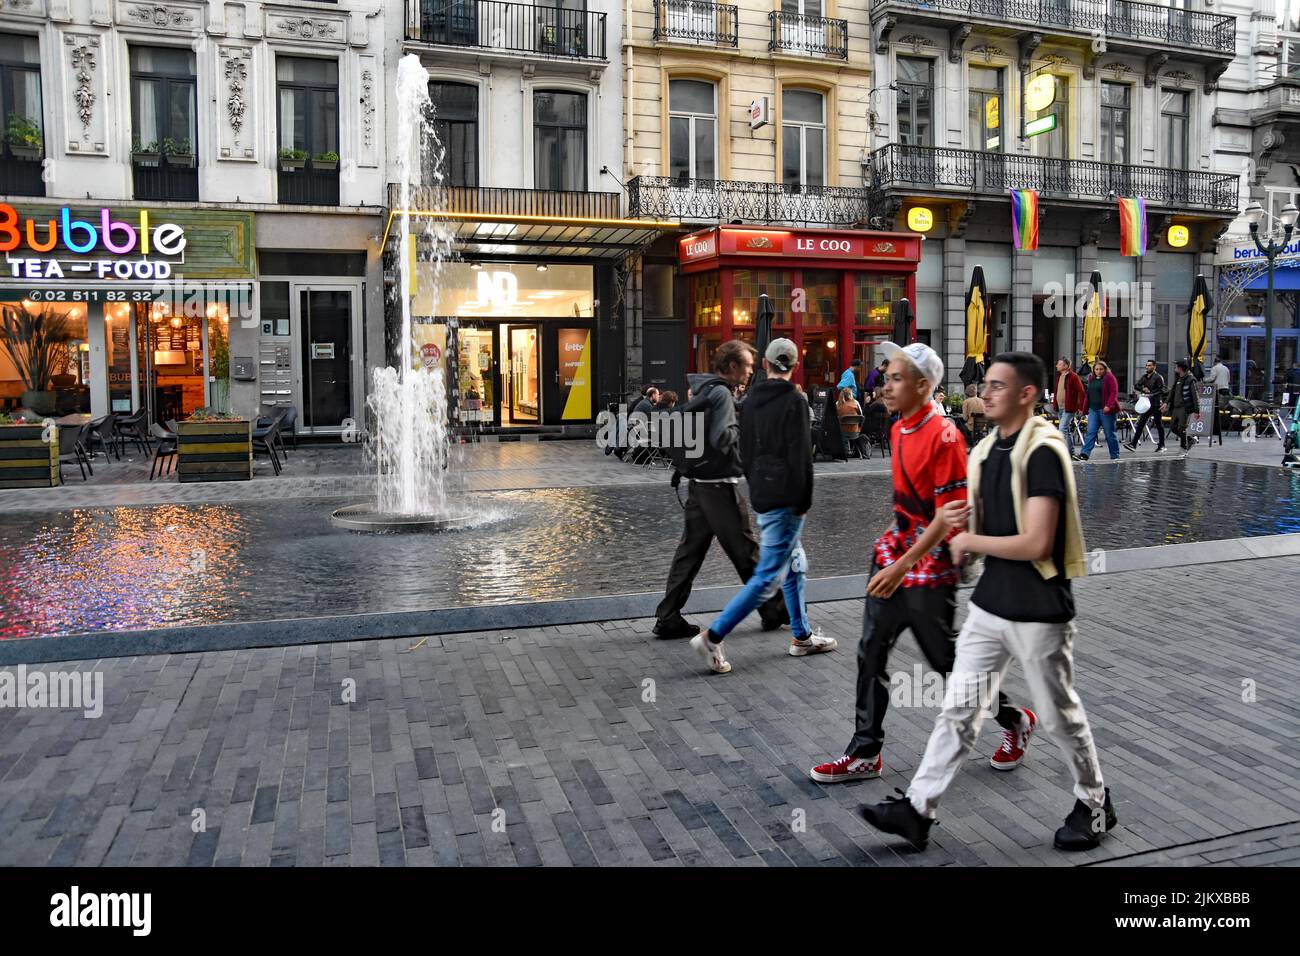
pixel 715 507
pixel 1025 521
pixel 1181 403
pixel 776 449
pixel 914 580
pixel 1152 387
pixel 1069 399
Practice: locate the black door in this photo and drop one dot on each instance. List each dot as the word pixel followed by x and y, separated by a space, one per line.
pixel 326 323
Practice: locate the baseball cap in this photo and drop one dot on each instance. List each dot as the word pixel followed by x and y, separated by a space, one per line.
pixel 782 354
pixel 925 359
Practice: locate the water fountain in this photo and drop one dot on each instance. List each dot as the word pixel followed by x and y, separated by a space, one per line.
pixel 408 404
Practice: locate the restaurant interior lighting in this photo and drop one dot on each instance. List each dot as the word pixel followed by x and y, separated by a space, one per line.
pixel 476 265
pixel 541 267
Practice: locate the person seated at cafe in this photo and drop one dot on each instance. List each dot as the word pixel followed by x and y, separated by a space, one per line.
pixel 972 406
pixel 667 400
pixel 848 407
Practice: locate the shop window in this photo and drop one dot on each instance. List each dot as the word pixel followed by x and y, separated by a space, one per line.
pixel 692 130
pixel 748 284
pixel 822 298
pixel 455 123
pixel 560 141
pixel 164 132
pixel 308 121
pixel 504 290
pixel 874 296
pixel 20 106
pixel 706 305
pixel 68 371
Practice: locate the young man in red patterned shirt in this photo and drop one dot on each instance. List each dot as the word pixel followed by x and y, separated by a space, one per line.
pixel 914 580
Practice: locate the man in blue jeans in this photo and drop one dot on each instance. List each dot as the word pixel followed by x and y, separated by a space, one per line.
pixel 776 452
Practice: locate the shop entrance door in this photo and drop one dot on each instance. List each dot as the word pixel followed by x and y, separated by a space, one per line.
pixel 167 367
pixel 1245 354
pixel 325 316
pixel 522 399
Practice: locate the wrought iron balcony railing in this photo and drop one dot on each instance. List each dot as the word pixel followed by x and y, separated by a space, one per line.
pixel 723 201
pixel 511 27
pixel 166 180
pixel 691 21
pixel 496 201
pixel 1114 19
pixel 308 186
pixel 21 176
pixel 937 169
pixel 814 36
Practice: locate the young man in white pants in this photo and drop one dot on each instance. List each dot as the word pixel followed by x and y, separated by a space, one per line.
pixel 1026 522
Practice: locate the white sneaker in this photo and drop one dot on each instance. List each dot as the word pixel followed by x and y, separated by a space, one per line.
pixel 712 653
pixel 814 643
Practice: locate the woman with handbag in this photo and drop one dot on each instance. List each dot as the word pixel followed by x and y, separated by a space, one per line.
pixel 1151 390
pixel 1103 405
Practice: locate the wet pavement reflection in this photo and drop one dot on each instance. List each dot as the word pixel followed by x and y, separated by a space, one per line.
pixel 132 568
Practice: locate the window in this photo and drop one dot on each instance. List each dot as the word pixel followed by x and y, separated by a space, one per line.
pixel 915 98
pixel 692 130
pixel 1114 122
pixel 1056 143
pixel 24 127
pixel 164 134
pixel 308 119
pixel 807 8
pixel 455 124
pixel 560 140
pixel 1174 112
pixel 803 138
pixel 984 116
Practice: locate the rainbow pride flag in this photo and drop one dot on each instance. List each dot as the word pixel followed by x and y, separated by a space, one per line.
pixel 1132 226
pixel 1024 219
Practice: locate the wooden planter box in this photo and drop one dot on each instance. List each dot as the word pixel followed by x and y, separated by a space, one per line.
pixel 214 451
pixel 26 461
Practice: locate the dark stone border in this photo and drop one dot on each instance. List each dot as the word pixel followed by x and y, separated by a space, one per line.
pixel 582 610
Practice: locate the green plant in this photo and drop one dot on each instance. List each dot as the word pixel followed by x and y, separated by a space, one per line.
pixel 329 157
pixel 176 147
pixel 139 147
pixel 286 153
pixel 20 131
pixel 35 342
pixel 7 419
pixel 211 415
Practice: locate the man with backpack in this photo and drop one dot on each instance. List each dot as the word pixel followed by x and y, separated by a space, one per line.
pixel 715 506
pixel 914 580
pixel 776 449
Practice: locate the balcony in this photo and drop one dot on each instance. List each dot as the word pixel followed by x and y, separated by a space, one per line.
pixel 809 36
pixel 164 180
pixel 700 24
pixel 490 201
pixel 722 201
pixel 936 170
pixel 309 185
pixel 21 176
pixel 517 29
pixel 1125 25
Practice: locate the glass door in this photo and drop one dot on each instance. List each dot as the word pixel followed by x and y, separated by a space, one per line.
pixel 170 366
pixel 325 322
pixel 523 385
pixel 479 380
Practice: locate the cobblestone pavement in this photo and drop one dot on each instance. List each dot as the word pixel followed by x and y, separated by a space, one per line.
pixel 549 746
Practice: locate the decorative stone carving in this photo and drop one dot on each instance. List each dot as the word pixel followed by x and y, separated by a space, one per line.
pixel 1028 44
pixel 1180 77
pixel 238 102
pixel 82 59
pixel 1153 64
pixel 1055 59
pixel 887 24
pixel 1212 74
pixel 956 40
pixel 959 217
pixel 157 15
pixel 306 28
pixel 369 75
pixel 987 52
pixel 1092 224
pixel 84 122
pixel 916 41
pixel 367 108
pixel 1162 223
pixel 1118 68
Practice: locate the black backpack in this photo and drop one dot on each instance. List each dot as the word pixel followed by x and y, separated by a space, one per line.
pixel 711 463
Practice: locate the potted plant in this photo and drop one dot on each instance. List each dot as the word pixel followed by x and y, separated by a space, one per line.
pixel 35 343
pixel 29 452
pixel 179 152
pixel 24 137
pixel 143 154
pixel 291 159
pixel 328 160
pixel 214 446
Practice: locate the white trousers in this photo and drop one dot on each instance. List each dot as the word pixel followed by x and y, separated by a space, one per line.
pixel 985 647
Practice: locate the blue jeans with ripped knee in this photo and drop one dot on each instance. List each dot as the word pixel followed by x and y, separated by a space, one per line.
pixel 781 564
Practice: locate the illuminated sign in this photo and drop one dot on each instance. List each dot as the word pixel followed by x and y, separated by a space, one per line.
pixel 82 236
pixel 1040 92
pixel 801 244
pixel 920 219
pixel 760 111
pixel 1043 125
pixel 1179 236
pixel 699 247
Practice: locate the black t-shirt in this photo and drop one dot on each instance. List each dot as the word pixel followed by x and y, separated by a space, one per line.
pixel 1014 590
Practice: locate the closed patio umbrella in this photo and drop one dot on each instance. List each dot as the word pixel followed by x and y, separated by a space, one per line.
pixel 904 323
pixel 1198 309
pixel 762 334
pixel 977 328
pixel 1092 325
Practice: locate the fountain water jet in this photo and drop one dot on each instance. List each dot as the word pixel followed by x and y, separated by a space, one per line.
pixel 408 404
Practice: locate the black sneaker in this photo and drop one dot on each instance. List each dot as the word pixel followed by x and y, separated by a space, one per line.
pixel 1080 831
pixel 672 632
pixel 776 623
pixel 897 815
pixel 1080 457
pixel 1130 446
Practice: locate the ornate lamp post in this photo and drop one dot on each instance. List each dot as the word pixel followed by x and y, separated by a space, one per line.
pixel 1254 215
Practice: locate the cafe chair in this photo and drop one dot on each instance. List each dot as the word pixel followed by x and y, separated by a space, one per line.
pixel 854 442
pixel 70 450
pixel 165 450
pixel 265 438
pixel 102 434
pixel 133 429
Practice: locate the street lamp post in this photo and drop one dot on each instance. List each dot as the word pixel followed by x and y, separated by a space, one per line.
pixel 1254 215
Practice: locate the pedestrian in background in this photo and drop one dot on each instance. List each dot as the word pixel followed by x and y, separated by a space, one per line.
pixel 1181 403
pixel 1103 405
pixel 1069 399
pixel 715 506
pixel 1150 386
pixel 776 449
pixel 849 379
